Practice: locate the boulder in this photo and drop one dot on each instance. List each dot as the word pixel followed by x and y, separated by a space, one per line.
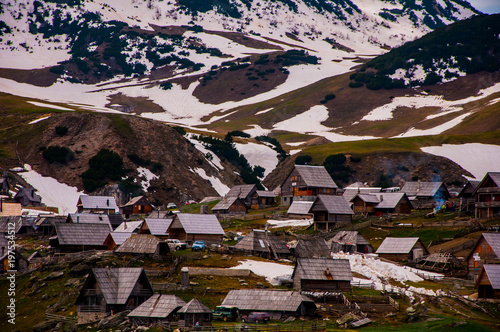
pixel 347 318
pixel 416 312
pixel 110 322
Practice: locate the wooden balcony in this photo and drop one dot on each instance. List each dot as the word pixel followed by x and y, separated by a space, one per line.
pixel 488 190
pixel 91 308
pixel 484 205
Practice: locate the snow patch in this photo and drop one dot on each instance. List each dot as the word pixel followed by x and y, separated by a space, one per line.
pixel 259 155
pixel 273 272
pixel 290 223
pixel 38 120
pixel 146 177
pixel 217 184
pixel 55 107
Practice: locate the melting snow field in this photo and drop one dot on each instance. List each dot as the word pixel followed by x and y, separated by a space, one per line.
pixel 476 158
pixel 259 154
pixel 220 187
pixel 53 193
pixel 271 271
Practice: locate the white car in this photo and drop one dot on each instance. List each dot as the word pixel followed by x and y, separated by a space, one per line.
pixel 171 206
pixel 175 244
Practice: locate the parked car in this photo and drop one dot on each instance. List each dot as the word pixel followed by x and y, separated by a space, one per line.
pixel 199 245
pixel 171 206
pixel 225 313
pixel 175 244
pixel 256 317
pixel 188 202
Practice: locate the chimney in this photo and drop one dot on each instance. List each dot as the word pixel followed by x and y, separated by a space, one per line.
pixel 124 225
pixel 107 202
pixel 185 277
pixel 77 219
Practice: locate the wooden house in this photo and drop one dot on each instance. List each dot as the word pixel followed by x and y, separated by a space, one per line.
pixel 144 244
pixel 277 303
pixel 196 227
pixel 158 309
pixel 263 198
pixel 27 197
pixel 426 195
pixel 19 224
pixel 137 205
pixel 300 210
pixel 194 313
pixel 308 181
pixel 401 249
pixel 314 248
pixel 45 225
pixel 380 203
pixel 115 219
pixel 331 212
pixel 13 260
pixel 89 218
pixel 322 275
pixel 156 227
pixel 70 237
pixel 112 290
pixel 349 242
pixel 115 239
pixel 245 192
pixel 129 227
pixel 96 204
pixel 488 282
pixel 467 197
pixel 230 206
pixel 486 250
pixel 488 196
pixel 10 209
pixel 353 190
pixel 4 185
pixel 262 243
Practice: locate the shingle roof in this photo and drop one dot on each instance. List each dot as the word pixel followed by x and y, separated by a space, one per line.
pixel 367 198
pixel 115 219
pixel 89 218
pixel 194 307
pixel 11 209
pixel 129 226
pixel 265 300
pixel 158 306
pixel 493 272
pixel 265 193
pixel 135 200
pixel 427 189
pixel 312 248
pixel 81 234
pixel 335 204
pixel 161 214
pixel 18 222
pixel 225 203
pixel 260 241
pixel 397 245
pixel 389 200
pixel 495 177
pixel 350 193
pixel 345 237
pixel 300 207
pixel 158 226
pixel 316 176
pixel 493 240
pixel 139 244
pixel 241 191
pixel 28 193
pixel 200 223
pixel 116 284
pixel 119 237
pixel 98 202
pixel 323 269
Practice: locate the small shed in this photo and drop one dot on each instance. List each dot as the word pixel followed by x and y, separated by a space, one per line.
pixel 402 249
pixel 45 225
pixel 159 308
pixel 314 248
pixel 488 282
pixel 156 226
pixel 137 205
pixel 486 250
pixel 196 227
pixel 194 313
pixel 129 227
pixel 331 212
pixel 27 197
pixel 300 210
pixel 230 206
pixel 263 198
pixel 244 191
pixel 116 239
pixel 349 242
pixel 322 274
pixel 277 303
pixel 71 237
pixel 96 204
pixel 143 244
pixel 263 243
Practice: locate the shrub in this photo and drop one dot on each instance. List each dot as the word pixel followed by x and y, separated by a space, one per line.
pixel 58 154
pixel 61 130
pixel 105 165
pixel 180 130
pixel 166 86
pixel 303 160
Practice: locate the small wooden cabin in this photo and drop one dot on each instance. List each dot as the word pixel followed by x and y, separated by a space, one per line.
pixel 486 250
pixel 488 282
pixel 230 206
pixel 331 212
pixel 322 275
pixel 262 243
pixel 488 196
pixel 70 237
pixel 116 239
pixel 196 227
pixel 349 242
pixel 194 313
pixel 137 205
pixel 426 195
pixel 157 227
pixel 401 249
pixel 27 197
pixel 96 204
pixel 144 244
pixel 158 309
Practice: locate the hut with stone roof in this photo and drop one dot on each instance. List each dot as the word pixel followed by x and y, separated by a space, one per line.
pixel 307 182
pixel 262 243
pixel 194 313
pixel 156 226
pixel 111 290
pixel 196 227
pixel 402 249
pixel 322 274
pixel 488 282
pixel 331 212
pixel 349 242
pixel 159 308
pixel 311 248
pixel 276 302
pixel 263 198
pixel 69 237
pixel 143 244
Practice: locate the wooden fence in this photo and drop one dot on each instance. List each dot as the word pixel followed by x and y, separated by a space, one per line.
pixel 50 316
pixel 304 326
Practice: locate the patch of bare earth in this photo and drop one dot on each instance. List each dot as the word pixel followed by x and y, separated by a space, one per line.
pixel 244 40
pixel 135 105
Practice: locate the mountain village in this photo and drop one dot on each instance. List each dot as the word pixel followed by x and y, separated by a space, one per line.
pixel 132 265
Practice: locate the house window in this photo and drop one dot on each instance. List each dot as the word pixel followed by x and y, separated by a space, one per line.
pixel 475 263
pixel 479 249
pixel 489 248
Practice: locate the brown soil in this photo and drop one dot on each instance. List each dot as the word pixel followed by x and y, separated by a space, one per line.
pixel 244 40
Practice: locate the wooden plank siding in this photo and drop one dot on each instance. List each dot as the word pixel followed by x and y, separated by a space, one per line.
pixel 480 254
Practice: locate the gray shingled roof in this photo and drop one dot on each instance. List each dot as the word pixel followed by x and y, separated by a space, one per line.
pixel 195 307
pixel 367 198
pixel 312 248
pixel 158 226
pixel 426 189
pixel 335 204
pixel 89 218
pixel 134 201
pixel 119 237
pixel 493 272
pixel 81 234
pixel 316 176
pixel 323 269
pixel 117 284
pixel 158 306
pixel 389 200
pixel 28 193
pixel 397 245
pixel 200 223
pixel 495 177
pixel 129 226
pixel 265 193
pixel 259 241
pixel 139 244
pixel 350 193
pixel 241 191
pixel 265 300
pixel 345 237
pixel 493 240
pixel 225 203
pixel 98 202
pixel 300 207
